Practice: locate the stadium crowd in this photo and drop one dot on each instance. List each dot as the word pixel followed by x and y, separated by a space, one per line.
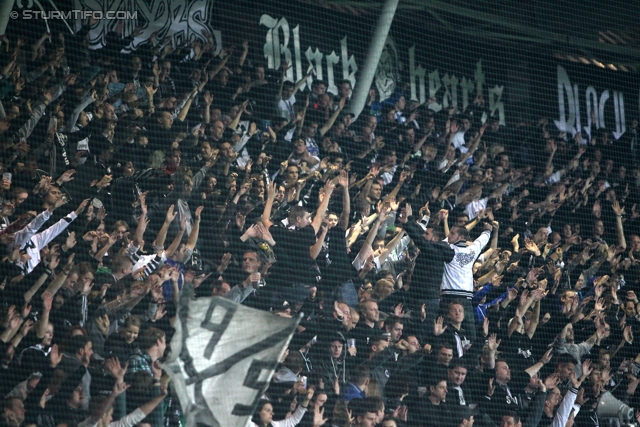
pixel 449 270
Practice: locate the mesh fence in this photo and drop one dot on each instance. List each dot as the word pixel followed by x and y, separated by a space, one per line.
pixel 367 213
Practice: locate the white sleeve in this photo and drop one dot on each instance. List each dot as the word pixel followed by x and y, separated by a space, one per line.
pixel 472 210
pixel 482 241
pixel 458 139
pixel 357 263
pixel 42 239
pixel 88 423
pixel 238 146
pixel 583 349
pixel 132 250
pixel 129 420
pixel 238 294
pixel 293 420
pixel 560 345
pixel 564 410
pixel 24 235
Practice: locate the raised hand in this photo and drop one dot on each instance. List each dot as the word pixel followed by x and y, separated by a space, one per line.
pixel 171 215
pixel 246 186
pixel 602 332
pixel 406 213
pixel 26 327
pixel 546 358
pixel 113 366
pixel 47 301
pixel 329 186
pixel 586 369
pixel 60 202
pixel 102 213
pixel 199 210
pixel 439 327
pixel 491 388
pixel 160 313
pixel 224 262
pixel 343 179
pixel 531 247
pixel 119 388
pixel 252 231
pixel 272 191
pixel 493 342
pixel 619 211
pixel 55 356
pixel 67 176
pixel 581 400
pixel 551 381
pixel 318 417
pixel 628 334
pixel 69 265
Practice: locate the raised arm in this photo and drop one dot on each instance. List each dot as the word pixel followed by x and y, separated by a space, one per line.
pixel 285 67
pixel 33 289
pixel 535 368
pixel 142 223
pixel 187 106
pixel 325 128
pixel 301 82
pixel 329 186
pixel 533 325
pixel 314 250
pixel 368 182
pixel 219 67
pixel 38 44
pixel 268 204
pixel 343 180
pixel 236 120
pixel 445 222
pixel 391 246
pixel 515 322
pixel 162 234
pixel 499 191
pixel 403 177
pixel 195 231
pixel 148 407
pixel 113 238
pixel 494 236
pixel 245 51
pixel 41 327
pixel 98 413
pixel 56 283
pixel 176 240
pixel 366 247
pixel 622 242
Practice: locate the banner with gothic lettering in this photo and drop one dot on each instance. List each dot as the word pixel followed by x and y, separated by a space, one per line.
pixel 588 99
pixel 222 358
pixel 407 65
pixel 174 21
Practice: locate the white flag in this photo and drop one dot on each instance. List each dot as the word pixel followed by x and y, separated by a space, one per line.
pixel 222 358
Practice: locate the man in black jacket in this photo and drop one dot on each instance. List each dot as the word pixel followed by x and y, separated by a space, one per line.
pixel 427 275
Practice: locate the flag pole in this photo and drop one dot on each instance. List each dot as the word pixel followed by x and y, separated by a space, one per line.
pixel 368 71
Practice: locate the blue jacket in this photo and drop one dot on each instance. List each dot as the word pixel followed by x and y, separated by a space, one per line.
pixel 350 392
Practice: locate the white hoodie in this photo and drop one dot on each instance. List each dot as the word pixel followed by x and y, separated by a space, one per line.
pixel 458 274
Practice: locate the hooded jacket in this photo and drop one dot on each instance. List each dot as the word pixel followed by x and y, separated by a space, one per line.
pixel 458 274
